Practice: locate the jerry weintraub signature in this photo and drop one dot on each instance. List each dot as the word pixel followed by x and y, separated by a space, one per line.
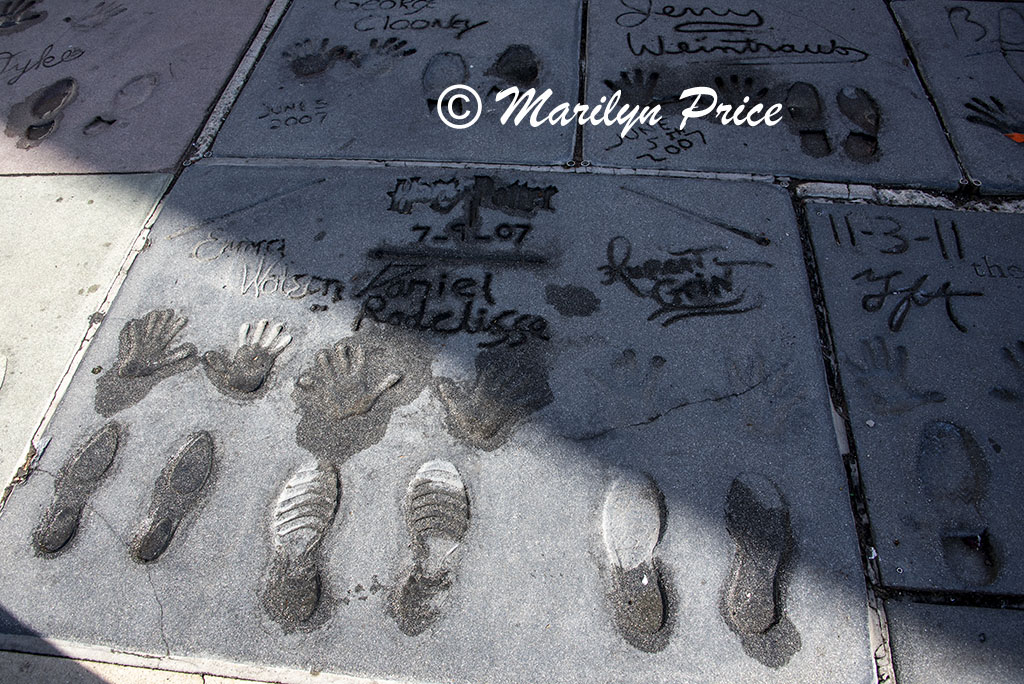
pixel 527 105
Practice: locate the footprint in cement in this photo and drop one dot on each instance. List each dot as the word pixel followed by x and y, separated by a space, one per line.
pixel 177 491
pixel 131 95
pixel 244 375
pixel 76 481
pixel 442 70
pixel 517 66
pixel 437 517
pixel 36 117
pixel 631 525
pixel 860 108
pixel 511 383
pixel 17 15
pixel 955 475
pixel 143 360
pixel 807 119
pixel 303 512
pixel 757 519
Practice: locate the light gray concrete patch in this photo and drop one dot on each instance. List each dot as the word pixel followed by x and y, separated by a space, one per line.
pixel 361 79
pixel 926 308
pixel 64 241
pixel 956 644
pixel 700 370
pixel 852 107
pixel 972 57
pixel 112 86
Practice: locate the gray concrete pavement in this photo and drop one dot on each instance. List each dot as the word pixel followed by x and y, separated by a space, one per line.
pixel 535 403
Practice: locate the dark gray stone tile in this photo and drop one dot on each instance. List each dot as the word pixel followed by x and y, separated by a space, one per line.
pixel 926 307
pixel 956 644
pixel 972 58
pixel 112 86
pixel 853 108
pixel 611 436
pixel 361 79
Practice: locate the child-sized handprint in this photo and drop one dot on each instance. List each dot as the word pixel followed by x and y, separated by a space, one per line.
pixel 995 115
pixel 510 384
pixel 16 15
pixel 144 358
pixel 1014 356
pixel 245 373
pixel 883 377
pixel 342 377
pixel 145 341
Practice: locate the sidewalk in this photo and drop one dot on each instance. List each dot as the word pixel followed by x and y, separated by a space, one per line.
pixel 299 383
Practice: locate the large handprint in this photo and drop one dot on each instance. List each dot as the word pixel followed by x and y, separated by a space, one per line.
pixel 636 90
pixel 883 377
pixel 510 385
pixel 144 358
pixel 996 116
pixel 19 14
pixel 343 377
pixel 145 341
pixel 245 373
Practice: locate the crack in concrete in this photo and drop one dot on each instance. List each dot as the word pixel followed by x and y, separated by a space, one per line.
pixel 149 574
pixel 160 605
pixel 659 416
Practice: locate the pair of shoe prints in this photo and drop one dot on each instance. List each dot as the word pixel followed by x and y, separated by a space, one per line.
pixel 341 385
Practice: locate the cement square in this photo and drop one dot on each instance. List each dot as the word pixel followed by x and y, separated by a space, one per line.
pixel 361 79
pixel 65 238
pixel 972 58
pixel 113 86
pixel 925 307
pixel 933 643
pixel 852 107
pixel 450 332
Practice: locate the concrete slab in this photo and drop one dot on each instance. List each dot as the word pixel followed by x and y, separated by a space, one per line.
pixel 20 668
pixel 924 307
pixel 474 434
pixel 361 79
pixel 852 107
pixel 972 58
pixel 113 86
pixel 956 644
pixel 64 241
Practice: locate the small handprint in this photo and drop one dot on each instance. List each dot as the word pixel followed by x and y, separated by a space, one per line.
pixel 342 374
pixel 381 57
pixel 259 345
pixel 19 14
pixel 99 15
pixel 995 115
pixel 510 385
pixel 308 59
pixel 1014 355
pixel 883 376
pixel 144 343
pixel 638 90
